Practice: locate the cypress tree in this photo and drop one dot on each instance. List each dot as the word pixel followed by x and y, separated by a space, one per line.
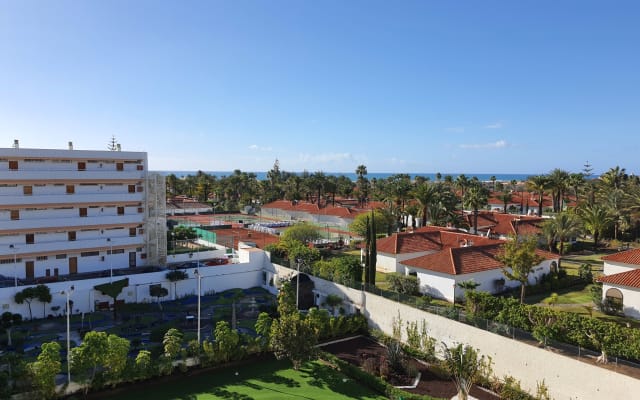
pixel 367 243
pixel 373 250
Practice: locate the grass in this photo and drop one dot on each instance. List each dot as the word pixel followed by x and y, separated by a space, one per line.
pixel 264 380
pixel 565 296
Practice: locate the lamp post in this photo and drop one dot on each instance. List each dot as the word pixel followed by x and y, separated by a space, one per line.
pixel 110 260
pixel 15 264
pixel 197 274
pixel 68 293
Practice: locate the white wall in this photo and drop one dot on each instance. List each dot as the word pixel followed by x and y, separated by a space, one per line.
pixel 611 267
pixel 566 377
pixel 216 278
pixel 630 299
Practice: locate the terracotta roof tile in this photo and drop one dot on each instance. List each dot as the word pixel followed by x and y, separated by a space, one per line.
pixel 628 278
pixel 428 239
pixel 628 257
pixel 465 260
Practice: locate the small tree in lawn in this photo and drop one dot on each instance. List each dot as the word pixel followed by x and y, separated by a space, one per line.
pixel 44 296
pixel 463 364
pixel 9 320
pixel 175 276
pixel 27 295
pixel 227 340
pixel 519 257
pixel 158 291
pixel 172 343
pixel 113 290
pixel 44 370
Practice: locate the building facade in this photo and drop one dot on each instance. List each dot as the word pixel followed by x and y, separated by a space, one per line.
pixel 64 213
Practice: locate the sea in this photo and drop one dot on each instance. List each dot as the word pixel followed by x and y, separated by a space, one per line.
pixel 378 175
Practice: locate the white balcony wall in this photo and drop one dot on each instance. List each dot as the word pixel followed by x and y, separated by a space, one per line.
pixel 24 174
pixel 9 190
pixel 63 223
pixel 62 198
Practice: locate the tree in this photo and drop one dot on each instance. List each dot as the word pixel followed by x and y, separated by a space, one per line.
pixel 468 285
pixel 227 340
pixel 506 198
pixel 9 320
pixel 595 219
pixel 464 366
pixel 519 257
pixel 403 284
pixel 99 353
pixel 359 225
pixel 43 294
pixel 158 291
pixel 113 290
pixel 333 301
pixel 474 199
pixel 44 370
pixel 175 276
pixel 565 225
pixel 373 251
pixel 172 343
pixel 27 295
pixel 143 364
pixel 301 232
pixel 263 329
pixel 538 184
pixel 291 336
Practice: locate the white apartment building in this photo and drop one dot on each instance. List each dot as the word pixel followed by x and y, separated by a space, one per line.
pixel 68 212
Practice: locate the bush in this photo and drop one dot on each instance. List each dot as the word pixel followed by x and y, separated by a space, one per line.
pixel 404 284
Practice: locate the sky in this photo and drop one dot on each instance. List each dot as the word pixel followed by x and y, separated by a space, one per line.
pixel 398 86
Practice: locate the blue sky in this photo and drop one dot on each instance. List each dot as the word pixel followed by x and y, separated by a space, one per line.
pixel 408 86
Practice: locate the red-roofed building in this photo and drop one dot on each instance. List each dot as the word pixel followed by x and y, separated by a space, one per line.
pixel 441 258
pixel 621 281
pixel 500 226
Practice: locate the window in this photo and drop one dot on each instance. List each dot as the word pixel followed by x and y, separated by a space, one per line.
pixel 132 188
pixel 139 167
pixel 61 256
pixel 71 189
pixel 42 258
pixel 82 166
pixel 71 236
pixel 132 231
pixel 83 212
pixel 120 210
pixel 140 189
pixel 140 209
pixel 119 166
pixel 13 165
pixel 89 253
pixel 27 190
pixel 15 214
pixel 30 238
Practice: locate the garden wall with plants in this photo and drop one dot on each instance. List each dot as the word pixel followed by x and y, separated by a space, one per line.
pixel 566 378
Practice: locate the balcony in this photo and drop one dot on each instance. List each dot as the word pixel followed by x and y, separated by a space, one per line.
pixel 96 176
pixel 74 222
pixel 52 200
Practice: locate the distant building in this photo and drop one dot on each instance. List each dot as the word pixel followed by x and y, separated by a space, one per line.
pixel 67 212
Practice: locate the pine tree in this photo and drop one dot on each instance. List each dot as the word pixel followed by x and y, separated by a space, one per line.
pixel 367 245
pixel 113 144
pixel 373 251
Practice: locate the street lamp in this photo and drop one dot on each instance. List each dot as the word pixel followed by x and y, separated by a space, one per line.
pixel 68 293
pixel 110 260
pixel 197 274
pixel 15 264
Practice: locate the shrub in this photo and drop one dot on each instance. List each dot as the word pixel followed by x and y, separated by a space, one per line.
pixel 404 284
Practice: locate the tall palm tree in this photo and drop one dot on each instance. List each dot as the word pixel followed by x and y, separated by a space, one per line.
pixel 577 182
pixel 566 225
pixel 462 182
pixel 476 198
pixel 538 184
pixel 506 198
pixel 362 184
pixel 425 194
pixel 558 183
pixel 595 219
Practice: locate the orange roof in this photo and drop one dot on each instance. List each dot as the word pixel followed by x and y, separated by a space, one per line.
pixel 627 257
pixel 465 260
pixel 428 238
pixel 506 224
pixel 628 278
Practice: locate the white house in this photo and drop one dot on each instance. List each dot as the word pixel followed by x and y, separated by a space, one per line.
pixel 440 272
pixel 621 280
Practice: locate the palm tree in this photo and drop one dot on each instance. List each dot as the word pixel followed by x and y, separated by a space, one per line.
pixel 595 219
pixel 538 184
pixel 462 182
pixel 576 181
pixel 506 198
pixel 425 195
pixel 566 225
pixel 558 183
pixel 362 183
pixel 474 199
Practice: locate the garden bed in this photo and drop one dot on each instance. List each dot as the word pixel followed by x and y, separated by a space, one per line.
pixel 356 350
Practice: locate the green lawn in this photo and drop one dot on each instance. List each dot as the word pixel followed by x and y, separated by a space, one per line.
pixel 269 379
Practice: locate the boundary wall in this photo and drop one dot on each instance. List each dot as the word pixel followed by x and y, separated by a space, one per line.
pixel 566 378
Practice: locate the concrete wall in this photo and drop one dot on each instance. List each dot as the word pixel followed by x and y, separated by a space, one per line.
pixel 248 273
pixel 566 377
pixel 630 299
pixel 611 267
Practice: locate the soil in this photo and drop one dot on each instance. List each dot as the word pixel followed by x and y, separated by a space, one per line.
pixel 357 350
